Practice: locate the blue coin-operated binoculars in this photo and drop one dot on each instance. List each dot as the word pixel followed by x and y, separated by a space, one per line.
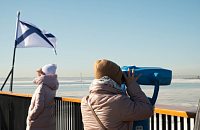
pixel 149 76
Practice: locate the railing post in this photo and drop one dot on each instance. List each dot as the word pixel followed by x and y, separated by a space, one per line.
pixel 188 124
pixel 152 122
pixel 197 120
pixel 175 123
pixel 157 121
pixel 169 122
pixel 163 122
pixel 181 123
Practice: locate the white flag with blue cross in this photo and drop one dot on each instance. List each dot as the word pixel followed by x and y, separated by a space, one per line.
pixel 28 35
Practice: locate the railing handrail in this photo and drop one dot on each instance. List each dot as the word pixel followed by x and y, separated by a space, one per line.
pixel 28 95
pixel 68 99
pixel 181 111
pixel 15 94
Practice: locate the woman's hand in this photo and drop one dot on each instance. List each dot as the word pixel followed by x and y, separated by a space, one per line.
pixel 130 77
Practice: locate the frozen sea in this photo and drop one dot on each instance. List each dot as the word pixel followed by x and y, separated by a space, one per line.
pixel 181 92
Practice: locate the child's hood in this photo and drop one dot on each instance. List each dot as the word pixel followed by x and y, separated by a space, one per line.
pixel 48 80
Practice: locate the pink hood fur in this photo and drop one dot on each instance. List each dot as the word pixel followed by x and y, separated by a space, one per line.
pixel 48 80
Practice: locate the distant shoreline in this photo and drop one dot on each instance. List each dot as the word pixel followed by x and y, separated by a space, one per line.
pixel 191 78
pixel 197 77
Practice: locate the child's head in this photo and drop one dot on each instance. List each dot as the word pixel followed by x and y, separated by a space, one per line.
pixel 39 71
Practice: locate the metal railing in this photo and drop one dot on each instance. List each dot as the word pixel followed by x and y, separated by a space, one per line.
pixel 68 114
pixel 168 122
pixel 14 111
pixel 173 117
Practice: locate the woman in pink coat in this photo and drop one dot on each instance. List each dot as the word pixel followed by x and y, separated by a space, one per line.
pixel 41 114
pixel 113 107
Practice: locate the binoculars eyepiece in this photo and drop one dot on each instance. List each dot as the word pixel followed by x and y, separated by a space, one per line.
pixel 123 79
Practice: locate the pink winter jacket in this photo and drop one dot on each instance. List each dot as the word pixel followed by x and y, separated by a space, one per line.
pixel 41 114
pixel 114 108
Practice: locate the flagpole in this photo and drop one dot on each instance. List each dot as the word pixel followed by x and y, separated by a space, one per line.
pixel 12 70
pixel 16 35
pixel 11 80
pixel 6 80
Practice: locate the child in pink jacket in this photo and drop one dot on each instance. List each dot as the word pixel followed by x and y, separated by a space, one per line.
pixel 41 114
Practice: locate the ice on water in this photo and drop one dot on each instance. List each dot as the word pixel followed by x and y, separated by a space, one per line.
pixel 181 92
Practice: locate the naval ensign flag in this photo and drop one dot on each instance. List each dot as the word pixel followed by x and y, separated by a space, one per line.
pixel 28 35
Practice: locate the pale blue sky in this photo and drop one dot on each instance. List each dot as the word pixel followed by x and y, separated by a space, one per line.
pixel 132 32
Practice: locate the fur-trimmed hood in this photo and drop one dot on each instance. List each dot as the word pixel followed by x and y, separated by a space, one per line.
pixel 48 80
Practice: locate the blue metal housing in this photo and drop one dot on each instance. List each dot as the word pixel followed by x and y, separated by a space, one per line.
pixel 149 76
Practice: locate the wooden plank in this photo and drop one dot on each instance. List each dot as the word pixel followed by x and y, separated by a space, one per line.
pixel 197 120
